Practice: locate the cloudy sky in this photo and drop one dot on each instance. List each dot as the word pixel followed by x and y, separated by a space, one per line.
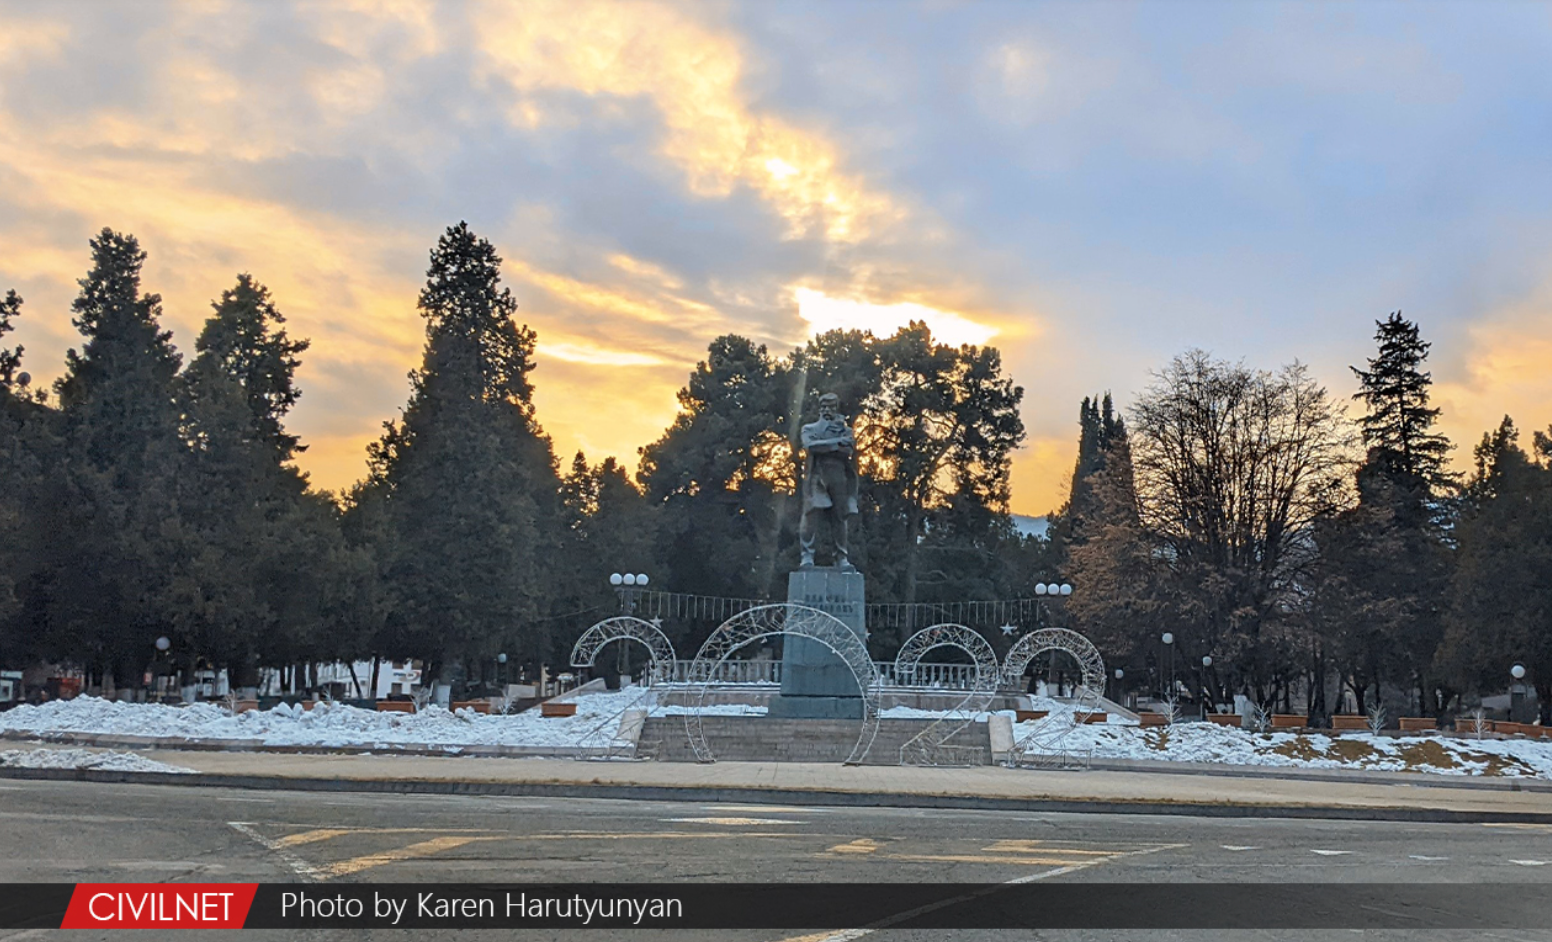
pixel 1091 187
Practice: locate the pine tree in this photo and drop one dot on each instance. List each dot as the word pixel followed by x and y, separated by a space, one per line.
pixel 276 560
pixel 122 570
pixel 1501 599
pixel 246 344
pixel 719 476
pixel 1401 486
pixel 1101 434
pixel 467 481
pixel 10 360
pixel 18 475
pixel 1397 428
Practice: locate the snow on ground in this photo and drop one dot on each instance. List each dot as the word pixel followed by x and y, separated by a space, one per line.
pixel 1208 742
pixel 598 720
pixel 84 759
pixel 333 725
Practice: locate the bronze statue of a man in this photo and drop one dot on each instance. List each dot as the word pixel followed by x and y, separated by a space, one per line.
pixel 829 480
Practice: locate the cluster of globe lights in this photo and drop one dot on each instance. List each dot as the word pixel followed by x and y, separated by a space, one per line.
pixel 628 579
pixel 1053 589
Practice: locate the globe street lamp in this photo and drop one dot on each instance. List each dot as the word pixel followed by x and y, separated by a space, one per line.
pixel 1517 692
pixel 1169 646
pixel 162 644
pixel 628 586
pixel 1208 694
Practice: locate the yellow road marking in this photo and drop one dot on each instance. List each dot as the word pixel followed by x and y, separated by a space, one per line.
pixel 862 845
pixel 1044 847
pixel 982 858
pixel 730 822
pixel 309 837
pixel 423 849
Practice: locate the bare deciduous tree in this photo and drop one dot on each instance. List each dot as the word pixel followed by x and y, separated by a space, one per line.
pixel 1231 469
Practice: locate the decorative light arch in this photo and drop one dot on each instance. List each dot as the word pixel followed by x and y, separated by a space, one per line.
pixel 626 628
pixel 584 653
pixel 929 747
pixel 1048 734
pixel 1036 643
pixel 784 620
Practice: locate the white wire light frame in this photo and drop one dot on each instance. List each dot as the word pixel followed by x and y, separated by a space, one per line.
pixel 929 747
pixel 1091 667
pixel 627 628
pixel 786 620
pixel 660 652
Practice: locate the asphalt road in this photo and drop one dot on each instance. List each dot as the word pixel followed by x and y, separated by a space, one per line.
pixel 80 832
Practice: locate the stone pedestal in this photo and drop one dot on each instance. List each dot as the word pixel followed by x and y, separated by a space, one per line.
pixel 815 684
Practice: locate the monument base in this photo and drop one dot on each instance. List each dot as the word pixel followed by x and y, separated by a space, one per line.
pixel 815 708
pixel 809 669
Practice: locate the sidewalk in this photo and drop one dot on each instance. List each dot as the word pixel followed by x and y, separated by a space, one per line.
pixel 986 788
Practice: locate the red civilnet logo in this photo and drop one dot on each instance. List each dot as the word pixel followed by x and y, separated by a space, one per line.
pixel 159 906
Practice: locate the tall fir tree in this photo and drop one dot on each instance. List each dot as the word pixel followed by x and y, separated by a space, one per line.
pixel 18 477
pixel 1398 422
pixel 467 481
pixel 1101 434
pixel 123 570
pixel 289 589
pixel 1501 598
pixel 10 360
pixel 1398 567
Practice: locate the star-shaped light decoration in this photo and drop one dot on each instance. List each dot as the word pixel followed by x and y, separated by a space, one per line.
pixel 657 623
pixel 1008 630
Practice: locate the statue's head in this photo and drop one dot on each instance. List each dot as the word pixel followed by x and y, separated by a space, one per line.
pixel 829 406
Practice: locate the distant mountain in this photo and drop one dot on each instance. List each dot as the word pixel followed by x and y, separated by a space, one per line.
pixel 1031 526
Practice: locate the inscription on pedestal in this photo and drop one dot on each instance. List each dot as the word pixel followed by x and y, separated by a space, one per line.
pixel 814 681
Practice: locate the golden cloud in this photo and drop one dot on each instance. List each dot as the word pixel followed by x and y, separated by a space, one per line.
pixel 825 313
pixel 1506 370
pixel 691 74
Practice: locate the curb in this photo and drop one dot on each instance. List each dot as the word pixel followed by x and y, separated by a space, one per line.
pixel 765 795
pixel 1150 766
pixel 1340 776
pixel 196 744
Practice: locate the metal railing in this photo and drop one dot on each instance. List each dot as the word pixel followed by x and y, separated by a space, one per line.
pixel 929 675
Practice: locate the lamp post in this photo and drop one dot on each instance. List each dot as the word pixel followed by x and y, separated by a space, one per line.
pixel 628 586
pixel 1517 692
pixel 1046 590
pixel 1210 692
pixel 163 644
pixel 1169 648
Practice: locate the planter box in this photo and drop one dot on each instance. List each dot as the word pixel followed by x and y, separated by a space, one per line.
pixel 1226 719
pixel 557 709
pixel 395 706
pixel 1514 729
pixel 1418 723
pixel 243 706
pixel 1024 716
pixel 1152 719
pixel 1097 718
pixel 1349 722
pixel 1288 721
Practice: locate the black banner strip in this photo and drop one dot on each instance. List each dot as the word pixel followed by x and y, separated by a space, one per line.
pixel 838 906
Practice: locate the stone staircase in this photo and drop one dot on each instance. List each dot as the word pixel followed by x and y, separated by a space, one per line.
pixel 768 739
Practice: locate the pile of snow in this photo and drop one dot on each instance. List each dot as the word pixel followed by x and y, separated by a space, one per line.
pixel 84 759
pixel 1208 742
pixel 334 725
